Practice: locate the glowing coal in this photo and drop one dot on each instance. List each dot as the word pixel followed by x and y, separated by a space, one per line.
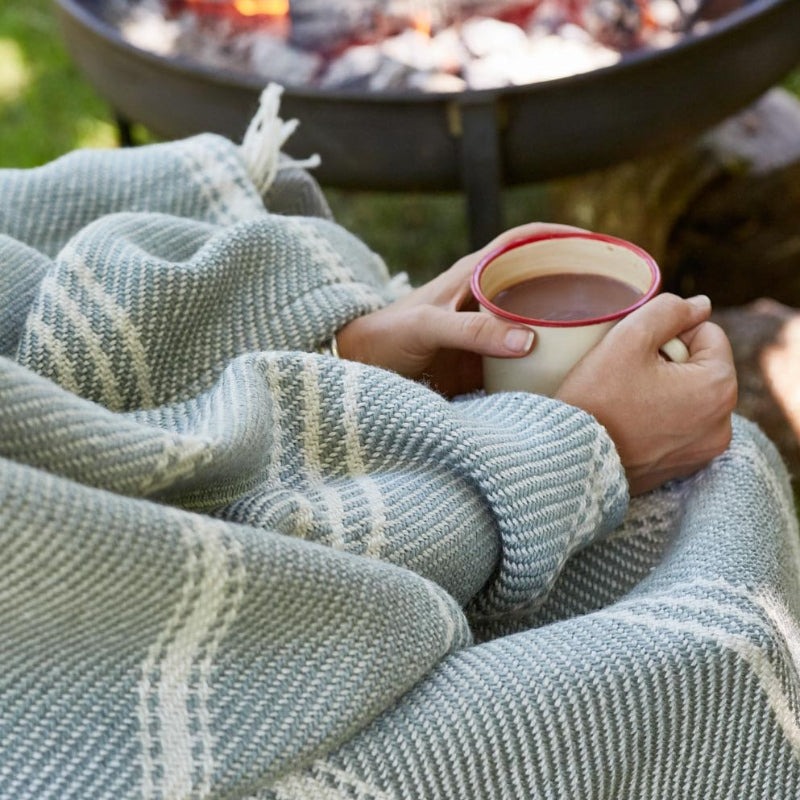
pixel 418 45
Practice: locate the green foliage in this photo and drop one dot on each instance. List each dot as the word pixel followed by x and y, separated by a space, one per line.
pixel 792 83
pixel 46 108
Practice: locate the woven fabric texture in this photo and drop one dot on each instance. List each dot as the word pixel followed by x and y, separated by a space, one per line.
pixel 232 567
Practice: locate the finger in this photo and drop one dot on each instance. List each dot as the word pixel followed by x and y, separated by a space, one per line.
pixel 708 341
pixel 711 353
pixel 665 317
pixel 464 266
pixel 711 349
pixel 475 332
pixel 529 229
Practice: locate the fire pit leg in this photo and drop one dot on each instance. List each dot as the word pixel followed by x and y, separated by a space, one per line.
pixel 476 123
pixel 124 130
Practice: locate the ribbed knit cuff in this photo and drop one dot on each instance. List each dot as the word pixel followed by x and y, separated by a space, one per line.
pixel 554 483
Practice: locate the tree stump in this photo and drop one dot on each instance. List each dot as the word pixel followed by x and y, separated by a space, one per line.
pixel 740 238
pixel 721 216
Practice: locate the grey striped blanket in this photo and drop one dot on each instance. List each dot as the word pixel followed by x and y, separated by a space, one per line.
pixel 231 567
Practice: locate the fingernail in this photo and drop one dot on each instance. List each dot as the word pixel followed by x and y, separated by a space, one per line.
pixel 700 301
pixel 519 340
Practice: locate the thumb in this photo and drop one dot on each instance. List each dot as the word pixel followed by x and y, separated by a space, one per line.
pixel 665 317
pixel 477 332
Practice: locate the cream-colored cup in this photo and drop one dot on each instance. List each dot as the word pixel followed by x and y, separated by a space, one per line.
pixel 560 344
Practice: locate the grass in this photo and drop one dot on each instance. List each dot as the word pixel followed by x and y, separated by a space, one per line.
pixel 47 109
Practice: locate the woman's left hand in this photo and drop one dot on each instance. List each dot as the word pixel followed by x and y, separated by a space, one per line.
pixel 435 332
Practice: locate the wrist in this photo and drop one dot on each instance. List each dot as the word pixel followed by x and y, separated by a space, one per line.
pixel 357 340
pixel 348 341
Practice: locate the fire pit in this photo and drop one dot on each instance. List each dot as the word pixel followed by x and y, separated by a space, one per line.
pixel 473 140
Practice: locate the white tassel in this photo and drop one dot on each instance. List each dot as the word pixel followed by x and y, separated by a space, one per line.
pixel 265 136
pixel 398 286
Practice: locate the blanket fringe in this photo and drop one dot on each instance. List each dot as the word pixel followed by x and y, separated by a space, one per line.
pixel 264 138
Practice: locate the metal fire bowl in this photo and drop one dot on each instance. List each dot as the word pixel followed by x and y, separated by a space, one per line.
pixel 405 141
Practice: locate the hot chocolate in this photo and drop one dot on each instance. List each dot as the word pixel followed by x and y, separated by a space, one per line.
pixel 567 297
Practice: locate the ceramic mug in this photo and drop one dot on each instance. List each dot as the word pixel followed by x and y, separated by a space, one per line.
pixel 560 344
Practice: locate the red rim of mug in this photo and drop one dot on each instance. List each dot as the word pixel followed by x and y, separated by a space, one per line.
pixel 572 323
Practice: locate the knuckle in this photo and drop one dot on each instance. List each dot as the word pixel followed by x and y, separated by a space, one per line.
pixel 718 338
pixel 639 332
pixel 671 304
pixel 673 308
pixel 476 327
pixel 670 300
pixel 528 229
pixel 418 321
pixel 419 315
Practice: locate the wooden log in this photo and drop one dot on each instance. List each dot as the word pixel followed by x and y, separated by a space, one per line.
pixel 327 25
pixel 740 237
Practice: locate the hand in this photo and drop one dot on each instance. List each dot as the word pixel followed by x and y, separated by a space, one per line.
pixel 667 420
pixel 435 333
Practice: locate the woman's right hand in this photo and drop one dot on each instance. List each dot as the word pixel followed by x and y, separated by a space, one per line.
pixel 667 419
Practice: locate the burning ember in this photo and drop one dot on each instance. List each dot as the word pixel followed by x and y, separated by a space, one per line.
pixel 244 8
pixel 262 8
pixel 423 45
